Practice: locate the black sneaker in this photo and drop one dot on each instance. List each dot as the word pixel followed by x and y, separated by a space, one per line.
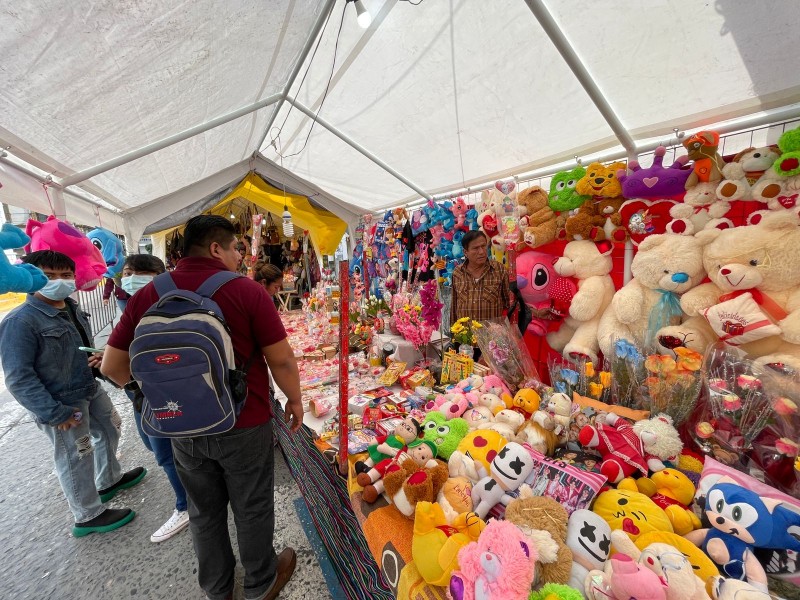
pixel 129 479
pixel 108 520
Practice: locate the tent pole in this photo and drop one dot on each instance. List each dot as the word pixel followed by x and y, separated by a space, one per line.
pixel 580 71
pixel 318 24
pixel 358 147
pixel 59 206
pixel 166 142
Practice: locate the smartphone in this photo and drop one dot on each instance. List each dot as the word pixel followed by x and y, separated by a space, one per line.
pixel 86 349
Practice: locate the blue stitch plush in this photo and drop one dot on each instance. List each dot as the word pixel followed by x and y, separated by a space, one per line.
pixel 110 247
pixel 22 278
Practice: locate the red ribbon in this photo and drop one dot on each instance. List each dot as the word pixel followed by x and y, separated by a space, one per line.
pixel 772 308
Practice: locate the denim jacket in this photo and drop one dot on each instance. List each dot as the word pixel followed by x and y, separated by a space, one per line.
pixel 44 370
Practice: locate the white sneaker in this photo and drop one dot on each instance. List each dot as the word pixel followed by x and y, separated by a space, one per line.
pixel 176 523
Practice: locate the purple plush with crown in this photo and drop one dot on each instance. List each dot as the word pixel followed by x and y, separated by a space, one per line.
pixel 656 182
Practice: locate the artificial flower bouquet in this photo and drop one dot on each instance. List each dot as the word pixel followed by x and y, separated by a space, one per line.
pixel 674 383
pixel 628 375
pixel 738 408
pixel 580 377
pixel 504 351
pixel 465 331
pixel 375 306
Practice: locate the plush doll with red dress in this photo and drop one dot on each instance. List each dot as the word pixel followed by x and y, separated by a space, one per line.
pixel 619 446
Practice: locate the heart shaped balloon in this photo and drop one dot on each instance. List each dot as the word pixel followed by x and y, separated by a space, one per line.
pixel 505 187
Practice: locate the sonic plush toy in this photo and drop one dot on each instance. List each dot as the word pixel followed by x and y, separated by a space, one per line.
pixel 742 521
pixel 22 278
pixel 110 247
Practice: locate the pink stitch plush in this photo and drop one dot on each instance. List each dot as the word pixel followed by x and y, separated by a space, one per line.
pixel 62 237
pixel 500 566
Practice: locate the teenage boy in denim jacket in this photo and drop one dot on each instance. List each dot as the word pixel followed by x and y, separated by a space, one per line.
pixel 48 375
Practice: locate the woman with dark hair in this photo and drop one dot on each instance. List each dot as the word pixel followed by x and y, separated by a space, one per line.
pixel 270 276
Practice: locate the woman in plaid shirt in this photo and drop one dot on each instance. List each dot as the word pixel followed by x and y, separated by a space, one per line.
pixel 480 285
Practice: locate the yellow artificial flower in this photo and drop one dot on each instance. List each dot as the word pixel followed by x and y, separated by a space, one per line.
pixel 589 369
pixel 476 325
pixel 595 390
pixel 605 379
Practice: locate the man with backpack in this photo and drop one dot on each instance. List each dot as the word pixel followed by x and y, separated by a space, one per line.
pixel 192 380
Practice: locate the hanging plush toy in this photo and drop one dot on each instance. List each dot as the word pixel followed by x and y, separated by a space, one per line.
pixel 110 247
pixel 62 237
pixel 23 278
pixel 564 199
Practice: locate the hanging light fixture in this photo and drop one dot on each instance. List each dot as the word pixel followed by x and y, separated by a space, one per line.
pixel 288 226
pixel 364 18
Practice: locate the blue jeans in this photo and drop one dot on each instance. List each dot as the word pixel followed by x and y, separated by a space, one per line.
pixel 85 456
pixel 162 448
pixel 121 304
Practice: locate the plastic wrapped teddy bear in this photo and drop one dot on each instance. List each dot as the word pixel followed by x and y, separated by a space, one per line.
pixel 556 416
pixel 501 565
pixel 23 278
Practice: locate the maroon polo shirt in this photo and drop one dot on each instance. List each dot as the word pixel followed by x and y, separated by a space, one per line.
pixel 249 312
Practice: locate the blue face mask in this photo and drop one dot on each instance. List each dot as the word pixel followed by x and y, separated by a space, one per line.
pixel 133 283
pixel 58 289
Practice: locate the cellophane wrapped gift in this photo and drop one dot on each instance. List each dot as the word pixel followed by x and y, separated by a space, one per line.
pixel 506 354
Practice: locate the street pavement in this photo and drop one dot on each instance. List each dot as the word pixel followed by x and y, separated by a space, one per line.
pixel 42 560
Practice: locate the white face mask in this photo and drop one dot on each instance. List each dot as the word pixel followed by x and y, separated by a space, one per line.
pixel 133 283
pixel 58 289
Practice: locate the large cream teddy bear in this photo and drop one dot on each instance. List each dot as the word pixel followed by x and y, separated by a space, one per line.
pixel 665 266
pixel 590 263
pixel 753 300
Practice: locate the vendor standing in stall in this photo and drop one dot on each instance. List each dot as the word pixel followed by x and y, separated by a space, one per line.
pixel 480 285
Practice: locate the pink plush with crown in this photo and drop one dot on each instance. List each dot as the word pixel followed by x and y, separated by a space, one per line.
pixel 499 566
pixel 62 237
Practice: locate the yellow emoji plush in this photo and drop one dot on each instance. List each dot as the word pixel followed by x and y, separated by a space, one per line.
pixel 632 512
pixel 435 544
pixel 478 448
pixel 672 491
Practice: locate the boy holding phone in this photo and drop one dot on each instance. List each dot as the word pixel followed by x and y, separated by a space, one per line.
pixel 47 373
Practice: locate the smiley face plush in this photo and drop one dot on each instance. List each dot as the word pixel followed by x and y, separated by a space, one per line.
pixel 589 538
pixel 563 196
pixel 632 512
pixel 475 453
pixel 445 434
pixel 509 470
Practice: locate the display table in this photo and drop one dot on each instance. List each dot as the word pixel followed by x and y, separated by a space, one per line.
pixel 405 351
pixel 284 299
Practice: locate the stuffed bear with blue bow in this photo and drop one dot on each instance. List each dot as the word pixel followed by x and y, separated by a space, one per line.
pixel 23 278
pixel 741 521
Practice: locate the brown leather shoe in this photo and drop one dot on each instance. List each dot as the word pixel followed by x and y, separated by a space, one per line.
pixel 287 561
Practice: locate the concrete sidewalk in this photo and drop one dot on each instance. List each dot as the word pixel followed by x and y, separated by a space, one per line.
pixel 42 560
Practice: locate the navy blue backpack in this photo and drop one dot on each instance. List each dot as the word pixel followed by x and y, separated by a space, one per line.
pixel 183 360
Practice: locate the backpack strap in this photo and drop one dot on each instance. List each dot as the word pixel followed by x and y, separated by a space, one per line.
pixel 164 284
pixel 212 285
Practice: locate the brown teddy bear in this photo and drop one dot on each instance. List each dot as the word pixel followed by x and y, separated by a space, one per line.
pixel 411 484
pixel 586 224
pixel 544 521
pixel 537 220
pixel 608 209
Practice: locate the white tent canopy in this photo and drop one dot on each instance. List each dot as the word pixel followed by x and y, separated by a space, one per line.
pixel 430 98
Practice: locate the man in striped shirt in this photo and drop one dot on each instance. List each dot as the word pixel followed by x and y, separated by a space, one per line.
pixel 480 285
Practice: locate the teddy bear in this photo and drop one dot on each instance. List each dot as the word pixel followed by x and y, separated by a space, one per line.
pixel 22 278
pixel 544 521
pixel 459 210
pixel 619 446
pixel 506 422
pixel 591 265
pixel 589 539
pixel 478 416
pixel 501 565
pixel 489 216
pixel 753 299
pixel 452 404
pixel 746 168
pixel 507 472
pixel 493 384
pixel 537 221
pixel 526 402
pixel 598 216
pixel 556 416
pixel 412 483
pixel 624 579
pixel 437 542
pixel 673 491
pixel 563 199
pixel 701 565
pixel 779 187
pixel 660 441
pixel 445 433
pixel 700 203
pixel 493 402
pixel 665 266
pixel 668 563
pixel 422 452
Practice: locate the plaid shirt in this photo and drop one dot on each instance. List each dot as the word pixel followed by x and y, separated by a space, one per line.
pixel 481 299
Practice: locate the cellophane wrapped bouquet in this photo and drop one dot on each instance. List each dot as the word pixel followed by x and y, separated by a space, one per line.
pixel 418 316
pixel 581 377
pixel 738 408
pixel 506 354
pixel 628 375
pixel 674 383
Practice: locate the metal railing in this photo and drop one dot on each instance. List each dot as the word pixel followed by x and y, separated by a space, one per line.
pixel 92 303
